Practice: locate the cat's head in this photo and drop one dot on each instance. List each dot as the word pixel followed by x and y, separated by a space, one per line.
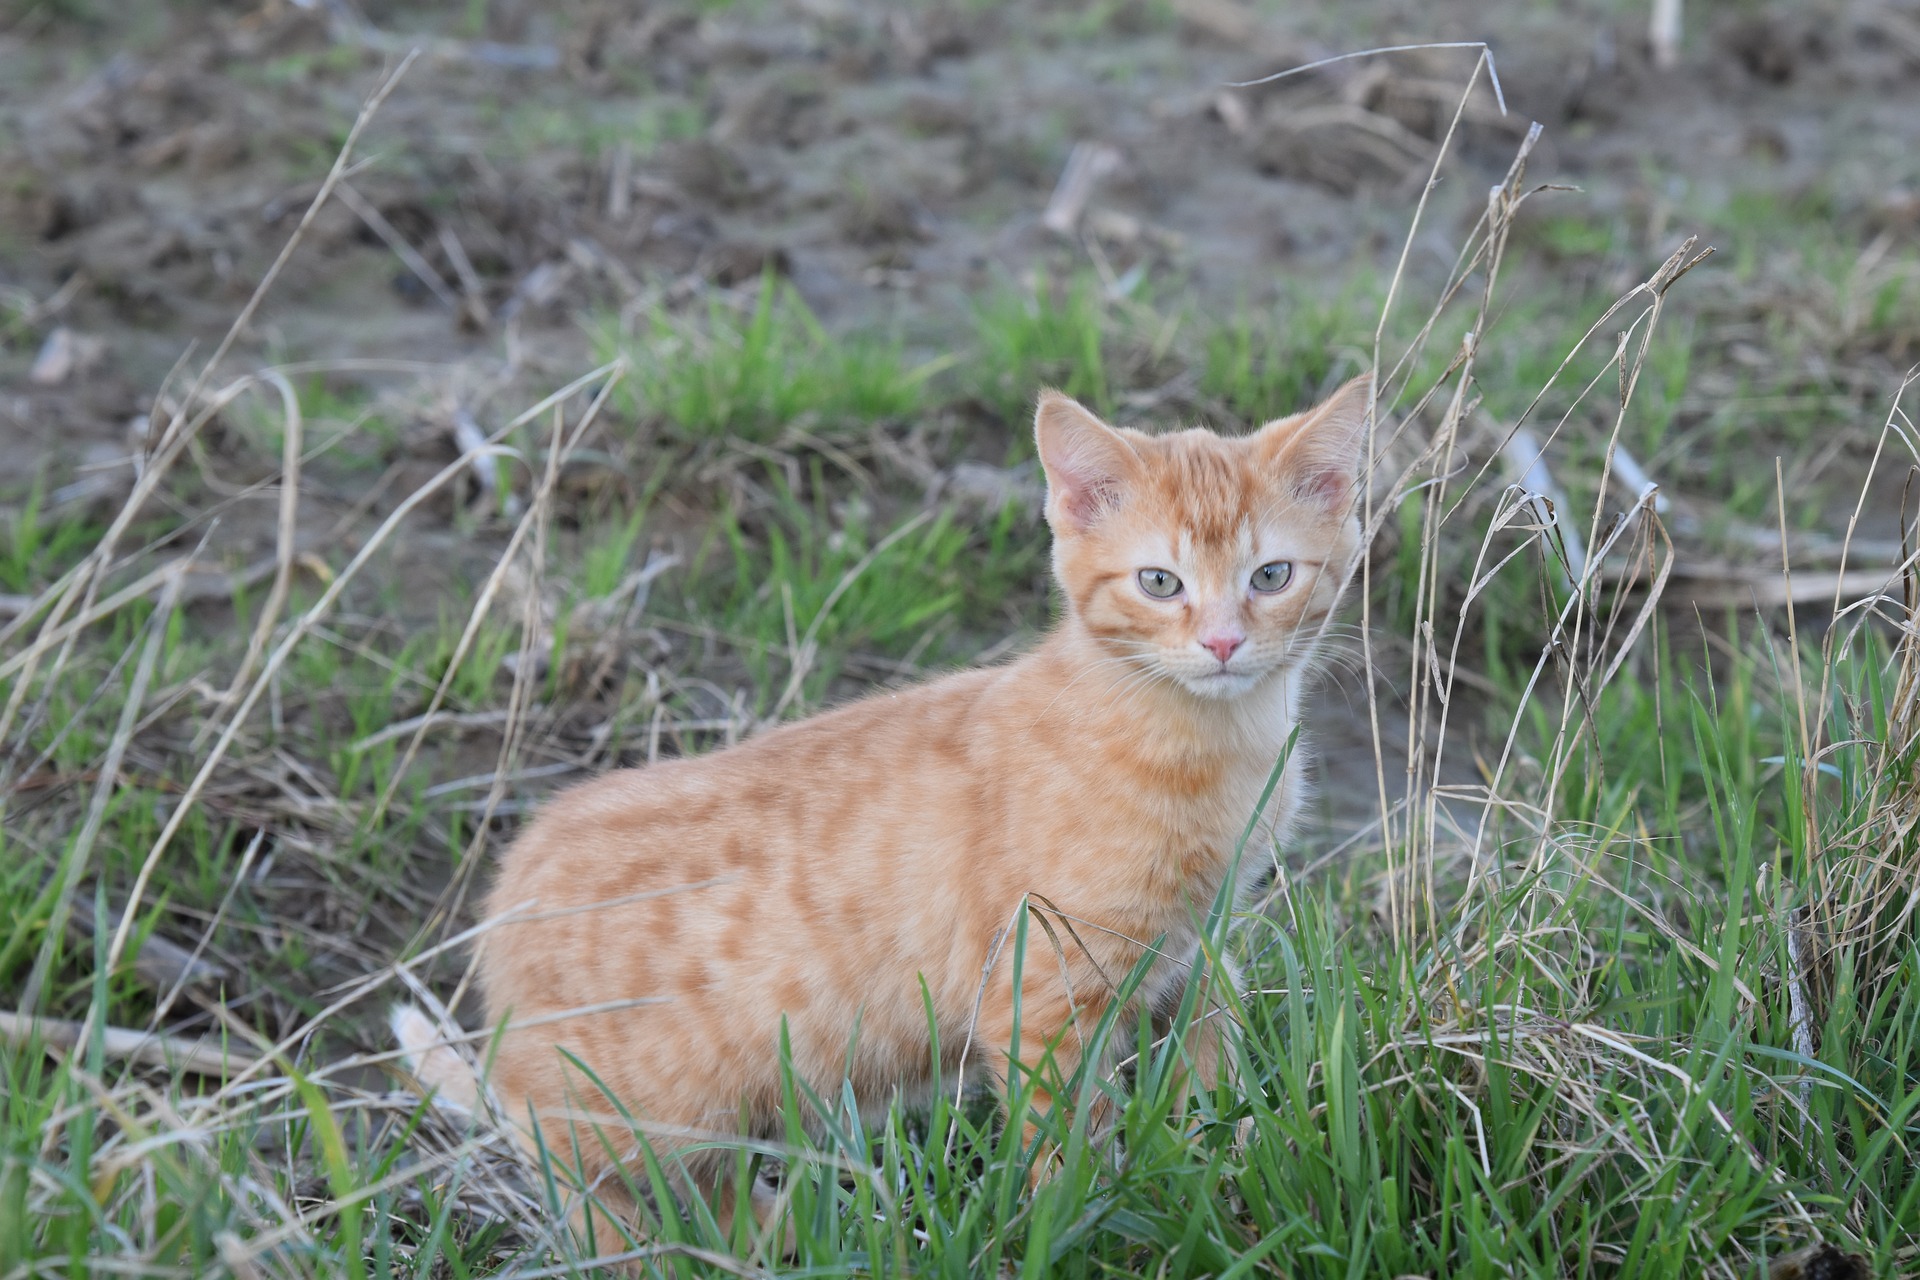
pixel 1207 560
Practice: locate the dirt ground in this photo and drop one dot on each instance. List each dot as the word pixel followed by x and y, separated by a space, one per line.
pixel 892 160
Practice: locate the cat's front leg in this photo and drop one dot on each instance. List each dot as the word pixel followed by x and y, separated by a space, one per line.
pixel 1209 1044
pixel 1040 1065
pixel 1216 1028
pixel 1208 1040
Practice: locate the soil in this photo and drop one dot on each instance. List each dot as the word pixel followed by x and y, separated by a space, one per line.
pixel 891 160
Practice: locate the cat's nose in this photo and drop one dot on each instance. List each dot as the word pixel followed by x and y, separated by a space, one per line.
pixel 1222 646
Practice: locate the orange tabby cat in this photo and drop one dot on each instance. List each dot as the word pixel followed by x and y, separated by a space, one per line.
pixel 822 872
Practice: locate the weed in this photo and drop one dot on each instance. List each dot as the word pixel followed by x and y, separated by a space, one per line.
pixel 1261 368
pixel 774 372
pixel 1051 334
pixel 828 577
pixel 35 549
pixel 603 563
pixel 594 131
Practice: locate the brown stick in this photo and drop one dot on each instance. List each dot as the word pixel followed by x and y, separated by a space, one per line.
pixel 1772 590
pixel 1086 165
pixel 202 1056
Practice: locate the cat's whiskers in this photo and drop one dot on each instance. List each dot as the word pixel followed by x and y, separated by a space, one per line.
pixel 1137 678
pixel 1142 677
pixel 1347 678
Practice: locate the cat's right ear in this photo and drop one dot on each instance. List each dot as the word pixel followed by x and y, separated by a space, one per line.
pixel 1087 462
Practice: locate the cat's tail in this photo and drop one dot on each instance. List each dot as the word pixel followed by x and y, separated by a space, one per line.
pixel 432 1060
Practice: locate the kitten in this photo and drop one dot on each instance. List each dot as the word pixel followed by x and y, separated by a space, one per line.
pixel 823 872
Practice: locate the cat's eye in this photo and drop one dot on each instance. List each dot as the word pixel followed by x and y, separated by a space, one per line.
pixel 1159 584
pixel 1269 578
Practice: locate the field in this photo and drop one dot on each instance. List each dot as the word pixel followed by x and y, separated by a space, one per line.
pixel 389 437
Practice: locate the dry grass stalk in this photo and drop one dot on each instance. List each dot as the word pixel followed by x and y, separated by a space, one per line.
pixel 1594 632
pixel 532 525
pixel 1487 237
pixel 271 668
pixel 471 286
pixel 1635 480
pixel 1526 461
pixel 82 586
pixel 80 852
pixel 1865 907
pixel 293 433
pixel 391 237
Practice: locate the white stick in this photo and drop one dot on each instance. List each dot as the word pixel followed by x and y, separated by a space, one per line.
pixel 1663 32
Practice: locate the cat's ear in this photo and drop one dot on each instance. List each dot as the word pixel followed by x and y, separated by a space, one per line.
pixel 1322 450
pixel 1088 463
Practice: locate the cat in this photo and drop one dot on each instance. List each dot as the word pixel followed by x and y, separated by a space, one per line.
pixel 858 874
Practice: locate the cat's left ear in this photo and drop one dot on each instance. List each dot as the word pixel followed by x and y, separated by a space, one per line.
pixel 1088 463
pixel 1322 450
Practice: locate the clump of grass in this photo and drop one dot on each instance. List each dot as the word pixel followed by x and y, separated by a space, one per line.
pixel 530 127
pixel 828 583
pixel 773 372
pixel 1050 333
pixel 1262 366
pixel 36 545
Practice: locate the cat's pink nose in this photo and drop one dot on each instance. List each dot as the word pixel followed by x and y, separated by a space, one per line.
pixel 1222 647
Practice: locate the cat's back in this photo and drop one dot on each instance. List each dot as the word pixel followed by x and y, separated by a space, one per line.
pixel 732 812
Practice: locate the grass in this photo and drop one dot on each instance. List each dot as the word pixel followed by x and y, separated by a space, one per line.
pixel 1628 989
pixel 644 126
pixel 1600 1093
pixel 1051 333
pixel 769 372
pixel 834 586
pixel 36 544
pixel 1265 365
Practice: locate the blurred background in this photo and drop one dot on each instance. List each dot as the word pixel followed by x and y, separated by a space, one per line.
pixel 553 183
